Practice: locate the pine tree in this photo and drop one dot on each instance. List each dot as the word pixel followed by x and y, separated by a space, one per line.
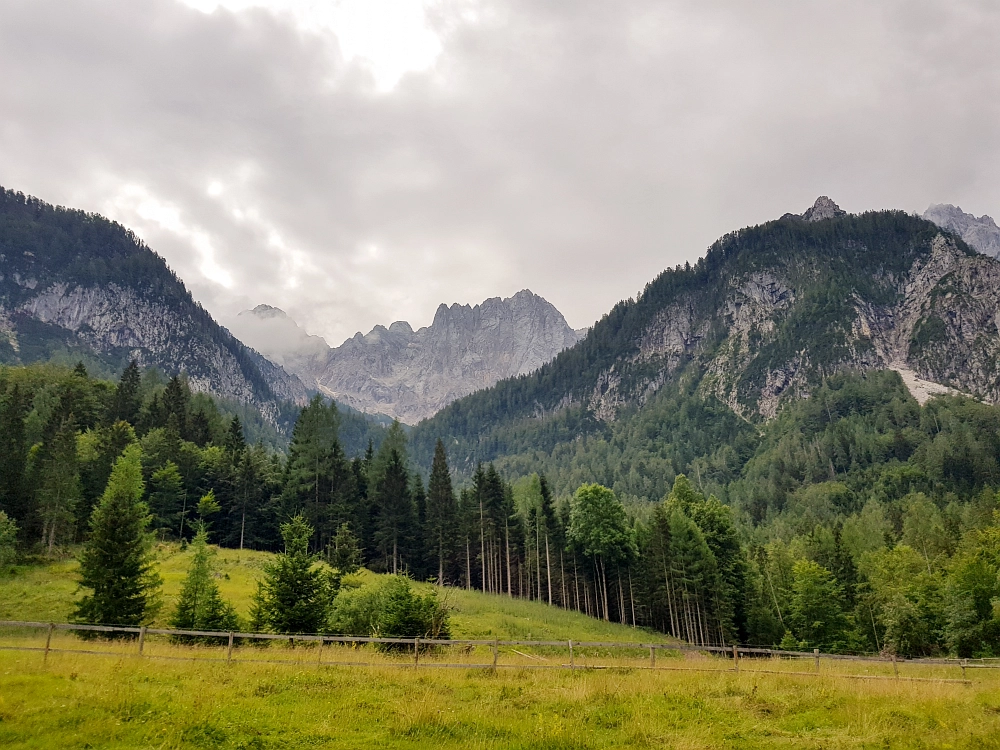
pixel 116 563
pixel 200 605
pixel 441 511
pixel 176 404
pixel 126 405
pixel 295 595
pixel 344 552
pixel 166 498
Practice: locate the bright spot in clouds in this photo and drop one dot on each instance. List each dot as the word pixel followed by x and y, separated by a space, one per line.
pixel 390 37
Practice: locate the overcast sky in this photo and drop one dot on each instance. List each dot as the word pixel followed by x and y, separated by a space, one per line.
pixel 360 162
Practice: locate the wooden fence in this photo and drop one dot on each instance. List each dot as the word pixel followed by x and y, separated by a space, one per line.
pixel 332 650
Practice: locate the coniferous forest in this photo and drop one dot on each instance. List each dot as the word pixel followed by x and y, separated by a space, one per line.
pixel 855 521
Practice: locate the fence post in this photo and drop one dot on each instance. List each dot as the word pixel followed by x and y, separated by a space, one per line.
pixel 48 643
pixel 964 661
pixel 652 657
pixel 229 648
pixel 572 663
pixel 416 653
pixel 319 653
pixel 816 656
pixel 736 658
pixel 496 652
pixel 142 638
pixel 895 667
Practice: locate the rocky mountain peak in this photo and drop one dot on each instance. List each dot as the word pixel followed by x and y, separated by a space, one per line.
pixel 980 233
pixel 823 208
pixel 410 375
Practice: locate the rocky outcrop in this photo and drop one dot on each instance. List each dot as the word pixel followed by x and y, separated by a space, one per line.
pixel 410 375
pixel 980 233
pixel 823 208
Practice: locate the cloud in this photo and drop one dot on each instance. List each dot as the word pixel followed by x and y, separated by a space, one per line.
pixel 576 149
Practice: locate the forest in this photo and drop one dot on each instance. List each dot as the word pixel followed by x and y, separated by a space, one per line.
pixel 855 521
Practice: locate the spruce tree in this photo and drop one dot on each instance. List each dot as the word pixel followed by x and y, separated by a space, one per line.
pixel 235 441
pixel 116 563
pixel 394 516
pixel 200 605
pixel 295 594
pixel 125 407
pixel 344 552
pixel 441 511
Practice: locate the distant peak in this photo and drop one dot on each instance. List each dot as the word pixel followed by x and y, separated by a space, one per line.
pixel 401 326
pixel 823 208
pixel 266 311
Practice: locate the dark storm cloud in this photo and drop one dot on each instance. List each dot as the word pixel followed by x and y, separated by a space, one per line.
pixel 573 148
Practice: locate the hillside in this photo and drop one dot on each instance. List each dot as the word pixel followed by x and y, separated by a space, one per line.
pixel 411 375
pixel 46 593
pixel 77 286
pixel 762 319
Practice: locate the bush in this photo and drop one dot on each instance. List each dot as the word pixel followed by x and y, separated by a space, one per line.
pixel 390 609
pixel 8 541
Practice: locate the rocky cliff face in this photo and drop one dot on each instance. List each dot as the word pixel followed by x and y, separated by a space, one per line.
pixel 410 375
pixel 74 282
pixel 980 233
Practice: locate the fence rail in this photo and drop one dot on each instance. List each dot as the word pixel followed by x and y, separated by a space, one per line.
pixel 423 652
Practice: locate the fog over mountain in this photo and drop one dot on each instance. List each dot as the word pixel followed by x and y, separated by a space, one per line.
pixel 410 375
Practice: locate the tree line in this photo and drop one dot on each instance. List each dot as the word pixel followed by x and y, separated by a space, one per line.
pixel 861 522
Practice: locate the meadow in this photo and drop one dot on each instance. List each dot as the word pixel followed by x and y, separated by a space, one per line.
pixel 175 698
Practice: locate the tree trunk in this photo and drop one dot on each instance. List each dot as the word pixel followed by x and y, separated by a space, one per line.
pixel 562 580
pixel 506 526
pixel 548 567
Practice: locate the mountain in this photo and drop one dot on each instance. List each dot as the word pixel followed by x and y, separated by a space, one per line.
pixel 980 233
pixel 410 375
pixel 74 285
pixel 764 318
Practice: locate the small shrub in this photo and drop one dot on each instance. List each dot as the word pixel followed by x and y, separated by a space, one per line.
pixel 390 609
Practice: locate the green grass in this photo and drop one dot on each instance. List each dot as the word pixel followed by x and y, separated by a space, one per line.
pixel 176 698
pixel 46 593
pixel 80 701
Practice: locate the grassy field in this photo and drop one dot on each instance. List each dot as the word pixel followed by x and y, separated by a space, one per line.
pixel 174 697
pixel 46 593
pixel 80 701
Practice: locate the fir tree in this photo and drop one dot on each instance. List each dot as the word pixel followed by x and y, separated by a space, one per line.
pixel 394 516
pixel 125 407
pixel 441 511
pixel 116 563
pixel 235 441
pixel 14 494
pixel 344 552
pixel 200 606
pixel 295 594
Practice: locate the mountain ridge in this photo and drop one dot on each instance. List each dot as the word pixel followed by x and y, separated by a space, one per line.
pixel 78 284
pixel 411 374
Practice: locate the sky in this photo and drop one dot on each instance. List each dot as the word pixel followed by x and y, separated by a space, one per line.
pixel 362 161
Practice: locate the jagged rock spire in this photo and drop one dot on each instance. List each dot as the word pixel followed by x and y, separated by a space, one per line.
pixel 823 208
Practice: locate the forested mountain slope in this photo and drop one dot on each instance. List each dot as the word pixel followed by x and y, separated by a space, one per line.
pixel 763 318
pixel 77 286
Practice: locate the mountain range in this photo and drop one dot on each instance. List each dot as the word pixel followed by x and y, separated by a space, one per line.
pixel 763 318
pixel 410 375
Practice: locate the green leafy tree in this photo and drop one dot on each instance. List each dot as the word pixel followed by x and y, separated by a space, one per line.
pixel 390 608
pixel 295 593
pixel 905 599
pixel 200 605
pixel 15 497
pixel 817 607
pixel 59 484
pixel 972 595
pixel 117 564
pixel 599 529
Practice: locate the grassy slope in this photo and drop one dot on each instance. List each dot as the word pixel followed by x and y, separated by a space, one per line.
pixel 46 593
